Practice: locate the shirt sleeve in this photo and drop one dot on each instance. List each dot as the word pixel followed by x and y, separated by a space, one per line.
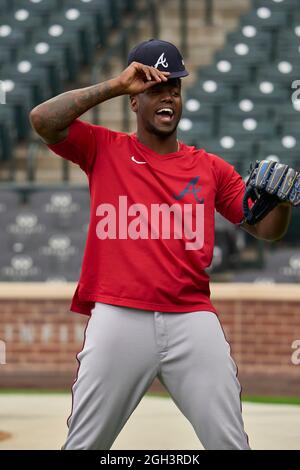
pixel 230 191
pixel 80 145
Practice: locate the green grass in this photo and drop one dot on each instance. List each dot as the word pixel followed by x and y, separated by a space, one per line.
pixel 32 391
pixel 271 400
pixel 250 399
pixel 245 399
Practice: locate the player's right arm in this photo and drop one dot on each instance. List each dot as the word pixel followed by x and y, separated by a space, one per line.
pixel 52 118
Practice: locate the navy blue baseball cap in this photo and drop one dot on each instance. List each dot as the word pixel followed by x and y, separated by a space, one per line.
pixel 162 55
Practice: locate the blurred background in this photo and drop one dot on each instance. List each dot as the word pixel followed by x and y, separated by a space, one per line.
pixel 243 58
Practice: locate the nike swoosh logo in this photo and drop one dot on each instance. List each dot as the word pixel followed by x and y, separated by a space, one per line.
pixel 136 161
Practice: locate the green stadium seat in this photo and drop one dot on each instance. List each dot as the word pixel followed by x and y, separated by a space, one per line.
pixel 225 71
pixel 281 71
pixel 295 18
pixel 6 6
pixel 243 109
pixel 10 40
pixel 22 20
pixel 237 153
pixel 284 149
pixel 286 113
pixel 193 109
pixel 288 38
pixel 67 41
pixel 52 59
pixel 39 8
pixel 31 76
pixel 191 132
pixel 243 54
pixel 265 92
pixel 210 91
pixel 251 36
pixel 247 129
pixel 7 133
pixel 100 10
pixel 5 56
pixel 292 54
pixel 264 18
pixel 292 127
pixel 71 19
pixel 198 112
pixel 277 5
pixel 20 99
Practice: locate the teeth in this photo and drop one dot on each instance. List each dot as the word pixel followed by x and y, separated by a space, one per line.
pixel 168 110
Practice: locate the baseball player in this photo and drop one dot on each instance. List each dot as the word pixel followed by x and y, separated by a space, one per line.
pixel 143 282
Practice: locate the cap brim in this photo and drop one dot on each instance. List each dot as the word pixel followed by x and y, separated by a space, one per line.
pixel 183 73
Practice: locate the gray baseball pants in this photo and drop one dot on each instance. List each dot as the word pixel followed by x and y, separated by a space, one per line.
pixel 126 348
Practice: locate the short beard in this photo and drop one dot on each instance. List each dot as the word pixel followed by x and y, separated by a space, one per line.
pixel 160 133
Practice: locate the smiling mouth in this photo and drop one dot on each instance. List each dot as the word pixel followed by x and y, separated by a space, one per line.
pixel 165 116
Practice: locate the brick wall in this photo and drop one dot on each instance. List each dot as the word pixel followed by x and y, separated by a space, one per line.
pixel 42 337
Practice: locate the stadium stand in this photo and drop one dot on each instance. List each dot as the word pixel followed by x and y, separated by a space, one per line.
pixel 238 107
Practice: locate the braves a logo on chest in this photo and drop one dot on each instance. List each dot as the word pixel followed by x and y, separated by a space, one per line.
pixel 191 188
pixel 162 221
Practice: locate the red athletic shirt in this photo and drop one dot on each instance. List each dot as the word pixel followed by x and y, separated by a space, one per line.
pixel 151 230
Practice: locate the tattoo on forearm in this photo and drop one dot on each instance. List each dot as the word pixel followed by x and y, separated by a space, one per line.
pixel 59 112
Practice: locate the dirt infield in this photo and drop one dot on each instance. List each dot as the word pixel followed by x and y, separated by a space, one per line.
pixel 38 421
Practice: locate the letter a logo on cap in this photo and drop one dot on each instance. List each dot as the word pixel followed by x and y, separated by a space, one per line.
pixel 162 61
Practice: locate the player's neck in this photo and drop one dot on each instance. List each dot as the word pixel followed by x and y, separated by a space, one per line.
pixel 157 144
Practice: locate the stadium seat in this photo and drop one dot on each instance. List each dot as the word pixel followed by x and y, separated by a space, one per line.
pixel 7 133
pixel 102 13
pixel 194 109
pixel 243 54
pixel 9 199
pixel 264 18
pixel 19 98
pixel 10 41
pixel 64 208
pixel 22 20
pixel 292 127
pixel 264 92
pixel 42 9
pixel 21 267
pixel 6 6
pixel 27 74
pixel 288 38
pixel 52 59
pixel 247 129
pixel 209 91
pixel 284 149
pixel 62 254
pixel 238 153
pixel 72 19
pixel 281 71
pixel 225 71
pixel 5 56
pixel 67 41
pixel 286 113
pixel 292 54
pixel 276 5
pixel 250 36
pixel 191 132
pixel 243 109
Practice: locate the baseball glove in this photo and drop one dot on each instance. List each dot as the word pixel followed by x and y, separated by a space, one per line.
pixel 269 183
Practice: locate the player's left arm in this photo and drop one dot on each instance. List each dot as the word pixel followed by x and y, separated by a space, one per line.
pixel 273 189
pixel 274 225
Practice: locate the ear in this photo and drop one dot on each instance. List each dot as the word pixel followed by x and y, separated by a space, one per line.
pixel 133 103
